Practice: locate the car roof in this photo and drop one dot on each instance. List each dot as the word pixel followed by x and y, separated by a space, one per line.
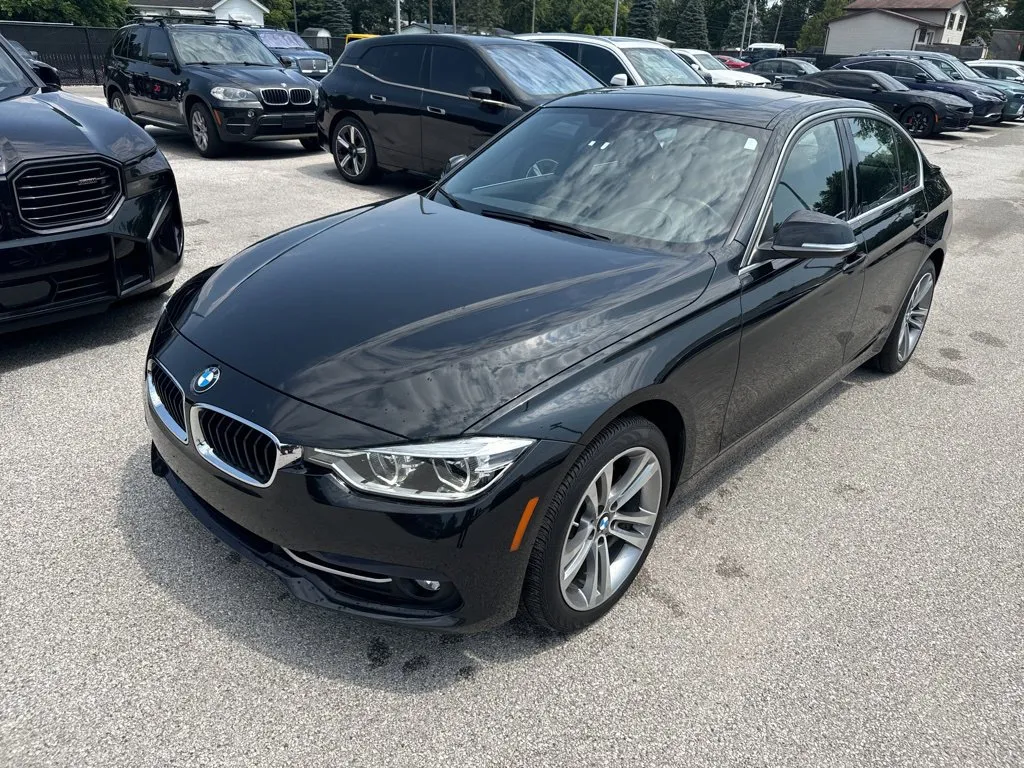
pixel 602 40
pixel 691 51
pixel 759 107
pixel 477 41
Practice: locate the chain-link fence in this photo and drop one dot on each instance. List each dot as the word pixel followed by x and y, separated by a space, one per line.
pixel 76 52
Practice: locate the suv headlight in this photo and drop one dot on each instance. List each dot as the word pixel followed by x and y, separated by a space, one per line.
pixel 452 470
pixel 227 93
pixel 143 175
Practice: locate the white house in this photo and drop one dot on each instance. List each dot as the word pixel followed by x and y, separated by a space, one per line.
pixel 871 24
pixel 245 11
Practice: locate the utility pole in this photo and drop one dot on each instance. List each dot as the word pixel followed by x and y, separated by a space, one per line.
pixel 398 17
pixel 295 12
pixel 455 27
pixel 743 34
pixel 430 15
pixel 533 17
pixel 615 19
pixel 782 6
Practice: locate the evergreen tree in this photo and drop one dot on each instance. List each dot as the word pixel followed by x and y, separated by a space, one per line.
pixel 733 34
pixel 336 19
pixel 643 19
pixel 691 29
pixel 482 15
pixel 814 31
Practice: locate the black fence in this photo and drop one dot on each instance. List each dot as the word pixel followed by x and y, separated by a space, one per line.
pixel 77 52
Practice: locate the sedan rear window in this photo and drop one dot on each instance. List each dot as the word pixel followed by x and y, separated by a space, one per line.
pixel 539 70
pixel 651 180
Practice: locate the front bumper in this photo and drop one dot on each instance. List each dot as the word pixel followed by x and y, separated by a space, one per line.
pixel 46 277
pixel 956 121
pixel 988 112
pixel 240 124
pixel 345 550
pixel 1014 109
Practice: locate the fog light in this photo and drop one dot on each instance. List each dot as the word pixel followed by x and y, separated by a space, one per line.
pixel 430 586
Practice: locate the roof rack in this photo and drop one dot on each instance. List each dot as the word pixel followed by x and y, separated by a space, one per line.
pixel 165 20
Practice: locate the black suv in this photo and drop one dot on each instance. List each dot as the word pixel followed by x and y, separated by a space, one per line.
pixel 218 82
pixel 292 50
pixel 89 210
pixel 414 102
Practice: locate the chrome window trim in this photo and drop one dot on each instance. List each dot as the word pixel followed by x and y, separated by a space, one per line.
pixel 798 130
pixel 335 571
pixel 158 405
pixel 286 454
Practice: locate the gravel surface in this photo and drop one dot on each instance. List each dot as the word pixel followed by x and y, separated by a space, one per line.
pixel 846 592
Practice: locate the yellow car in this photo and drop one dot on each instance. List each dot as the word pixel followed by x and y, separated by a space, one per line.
pixel 350 38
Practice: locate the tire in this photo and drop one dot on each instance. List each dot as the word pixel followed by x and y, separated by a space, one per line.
pixel 350 133
pixel 919 121
pixel 311 144
pixel 117 102
pixel 578 519
pixel 203 131
pixel 916 306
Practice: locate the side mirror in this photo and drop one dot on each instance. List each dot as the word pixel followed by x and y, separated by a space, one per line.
pixel 707 79
pixel 876 87
pixel 453 163
pixel 620 80
pixel 810 235
pixel 481 92
pixel 33 54
pixel 49 77
pixel 287 61
pixel 160 59
pixel 921 78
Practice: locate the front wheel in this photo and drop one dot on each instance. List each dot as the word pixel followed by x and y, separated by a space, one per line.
pixel 599 527
pixel 919 122
pixel 204 132
pixel 353 151
pixel 909 328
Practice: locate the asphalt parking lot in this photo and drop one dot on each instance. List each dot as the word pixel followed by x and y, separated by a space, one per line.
pixel 848 591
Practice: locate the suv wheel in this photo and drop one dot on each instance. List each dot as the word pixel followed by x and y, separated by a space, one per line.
pixel 204 132
pixel 117 102
pixel 353 151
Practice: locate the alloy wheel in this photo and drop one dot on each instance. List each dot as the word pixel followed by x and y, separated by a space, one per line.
pixel 915 316
pixel 117 104
pixel 351 151
pixel 611 528
pixel 917 122
pixel 200 131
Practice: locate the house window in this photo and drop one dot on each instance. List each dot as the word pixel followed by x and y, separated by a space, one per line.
pixel 951 21
pixel 921 35
pixel 960 22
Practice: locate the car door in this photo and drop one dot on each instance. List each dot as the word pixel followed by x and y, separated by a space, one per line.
pixel 160 83
pixel 455 123
pixel 889 219
pixel 390 102
pixel 135 46
pixel 797 314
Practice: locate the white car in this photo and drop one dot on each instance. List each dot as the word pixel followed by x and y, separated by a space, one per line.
pixel 999 69
pixel 706 64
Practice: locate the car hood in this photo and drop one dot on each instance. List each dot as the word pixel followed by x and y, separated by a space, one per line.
pixel 734 77
pixel 1003 86
pixel 251 77
pixel 420 319
pixel 949 99
pixel 39 125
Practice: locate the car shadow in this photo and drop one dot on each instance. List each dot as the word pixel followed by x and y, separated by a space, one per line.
pixel 180 144
pixel 123 320
pixel 389 184
pixel 250 606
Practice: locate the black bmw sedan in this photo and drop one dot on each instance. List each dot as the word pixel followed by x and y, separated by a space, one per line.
pixel 429 410
pixel 89 209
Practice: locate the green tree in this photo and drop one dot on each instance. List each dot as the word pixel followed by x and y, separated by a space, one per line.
pixel 483 15
pixel 280 15
pixel 643 19
pixel 90 13
pixel 592 15
pixel 691 29
pixel 984 16
pixel 816 28
pixel 336 18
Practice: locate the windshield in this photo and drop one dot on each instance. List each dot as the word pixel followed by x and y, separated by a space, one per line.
pixel 660 66
pixel 935 72
pixel 281 38
pixel 635 178
pixel 13 80
pixel 220 46
pixel 708 61
pixel 539 70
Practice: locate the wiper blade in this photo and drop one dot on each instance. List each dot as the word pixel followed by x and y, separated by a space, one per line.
pixel 455 203
pixel 546 224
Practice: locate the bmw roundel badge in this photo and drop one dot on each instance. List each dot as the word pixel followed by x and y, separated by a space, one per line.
pixel 205 379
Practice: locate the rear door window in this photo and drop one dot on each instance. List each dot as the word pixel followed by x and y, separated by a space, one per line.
pixel 401 64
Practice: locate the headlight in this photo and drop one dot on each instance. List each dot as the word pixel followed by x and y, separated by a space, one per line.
pixel 453 470
pixel 226 93
pixel 330 63
pixel 143 175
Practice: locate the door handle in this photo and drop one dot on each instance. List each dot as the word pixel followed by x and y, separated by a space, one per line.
pixel 375 97
pixel 920 217
pixel 435 110
pixel 853 261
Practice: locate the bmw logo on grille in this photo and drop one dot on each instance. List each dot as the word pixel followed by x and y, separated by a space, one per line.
pixel 205 379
